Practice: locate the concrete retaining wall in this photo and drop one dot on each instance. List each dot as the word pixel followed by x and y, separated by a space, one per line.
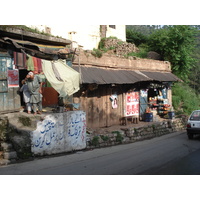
pixel 60 132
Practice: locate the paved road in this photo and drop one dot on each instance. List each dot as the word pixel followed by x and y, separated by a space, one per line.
pixel 188 165
pixel 168 154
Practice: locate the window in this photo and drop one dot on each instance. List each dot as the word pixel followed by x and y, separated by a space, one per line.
pixel 5 62
pixel 112 26
pixel 195 116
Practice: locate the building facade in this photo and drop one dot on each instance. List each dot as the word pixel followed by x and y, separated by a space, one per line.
pixel 21 52
pixel 111 87
pixel 116 89
pixel 86 36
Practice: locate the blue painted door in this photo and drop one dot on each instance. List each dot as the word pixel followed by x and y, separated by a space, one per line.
pixel 143 103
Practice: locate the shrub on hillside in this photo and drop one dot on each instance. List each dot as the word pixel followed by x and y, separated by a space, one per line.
pixel 184 98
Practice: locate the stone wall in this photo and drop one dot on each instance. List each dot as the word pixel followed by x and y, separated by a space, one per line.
pixel 3 128
pixel 129 135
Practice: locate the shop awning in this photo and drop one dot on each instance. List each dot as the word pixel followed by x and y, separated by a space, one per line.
pixel 112 76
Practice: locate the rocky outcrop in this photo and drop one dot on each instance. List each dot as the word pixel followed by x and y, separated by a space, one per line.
pixel 119 47
pixel 153 55
pixel 7 153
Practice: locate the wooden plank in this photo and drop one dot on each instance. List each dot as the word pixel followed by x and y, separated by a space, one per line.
pixel 84 103
pixel 90 111
pixel 95 110
pixel 108 107
pixel 98 107
pixel 101 108
pixel 115 113
pixel 86 110
pixel 105 109
pixel 119 113
pixel 121 104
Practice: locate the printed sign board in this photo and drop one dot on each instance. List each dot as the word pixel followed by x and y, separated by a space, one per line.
pixel 13 78
pixel 132 103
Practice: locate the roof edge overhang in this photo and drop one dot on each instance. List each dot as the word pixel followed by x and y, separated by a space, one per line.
pixel 20 34
pixel 49 52
pixel 102 76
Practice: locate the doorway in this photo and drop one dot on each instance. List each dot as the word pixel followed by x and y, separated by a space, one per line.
pixel 22 75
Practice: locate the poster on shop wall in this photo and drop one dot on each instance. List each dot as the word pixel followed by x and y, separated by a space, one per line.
pixel 132 103
pixel 13 78
pixel 113 99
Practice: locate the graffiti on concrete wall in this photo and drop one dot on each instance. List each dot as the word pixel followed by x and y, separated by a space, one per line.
pixel 60 132
pixel 51 131
pixel 76 128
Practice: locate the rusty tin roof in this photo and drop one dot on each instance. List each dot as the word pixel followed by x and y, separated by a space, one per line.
pixel 100 76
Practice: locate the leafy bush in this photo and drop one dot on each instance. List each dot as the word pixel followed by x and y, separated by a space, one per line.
pixel 141 54
pixel 97 53
pixel 135 37
pixel 119 137
pixel 102 44
pixel 105 138
pixel 95 141
pixel 115 132
pixel 184 99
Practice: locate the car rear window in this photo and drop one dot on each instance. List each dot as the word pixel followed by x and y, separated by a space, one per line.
pixel 195 116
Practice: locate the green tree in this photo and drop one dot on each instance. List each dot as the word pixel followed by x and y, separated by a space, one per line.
pixel 176 45
pixel 143 29
pixel 195 72
pixel 135 37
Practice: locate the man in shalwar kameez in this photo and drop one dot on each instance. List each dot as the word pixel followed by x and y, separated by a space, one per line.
pixel 34 84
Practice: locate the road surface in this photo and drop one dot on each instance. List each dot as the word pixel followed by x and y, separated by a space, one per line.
pixel 168 154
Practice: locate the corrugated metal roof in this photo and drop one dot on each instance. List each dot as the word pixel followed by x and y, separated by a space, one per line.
pixel 109 76
pixel 161 76
pixel 47 52
pixel 18 33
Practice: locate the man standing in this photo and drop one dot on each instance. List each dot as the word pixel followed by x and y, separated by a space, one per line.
pixel 26 96
pixel 34 84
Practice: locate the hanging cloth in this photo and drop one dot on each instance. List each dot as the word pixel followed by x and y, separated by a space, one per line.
pixel 20 60
pixel 70 78
pixel 39 64
pixel 35 65
pixel 30 63
pixel 57 75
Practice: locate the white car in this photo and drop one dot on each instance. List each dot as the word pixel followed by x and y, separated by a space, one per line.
pixel 193 124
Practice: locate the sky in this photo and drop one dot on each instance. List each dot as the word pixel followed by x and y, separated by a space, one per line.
pixel 126 12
